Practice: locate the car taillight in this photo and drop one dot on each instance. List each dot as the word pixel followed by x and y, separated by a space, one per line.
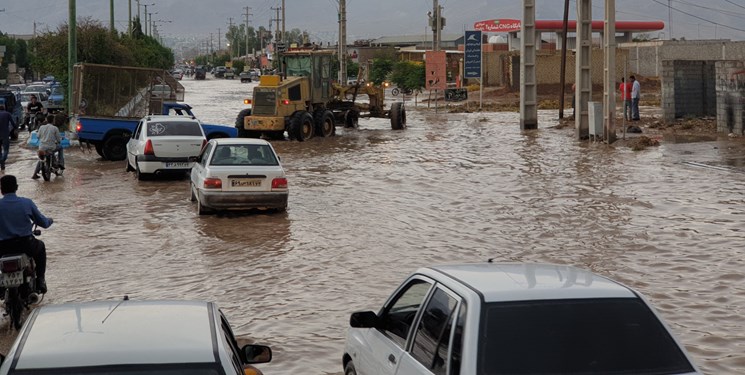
pixel 246 101
pixel 279 183
pixel 149 148
pixel 212 183
pixel 78 127
pixel 285 102
pixel 10 266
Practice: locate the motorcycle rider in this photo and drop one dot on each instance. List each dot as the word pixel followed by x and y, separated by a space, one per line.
pixel 33 107
pixel 16 228
pixel 50 140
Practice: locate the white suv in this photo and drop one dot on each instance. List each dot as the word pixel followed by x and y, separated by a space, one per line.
pixel 512 319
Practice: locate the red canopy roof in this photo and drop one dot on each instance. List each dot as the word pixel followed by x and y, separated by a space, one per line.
pixel 621 26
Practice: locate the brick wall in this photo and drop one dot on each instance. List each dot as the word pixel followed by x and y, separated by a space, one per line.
pixel 730 92
pixel 548 67
pixel 688 89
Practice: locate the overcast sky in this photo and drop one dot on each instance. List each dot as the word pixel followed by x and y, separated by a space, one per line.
pixel 368 19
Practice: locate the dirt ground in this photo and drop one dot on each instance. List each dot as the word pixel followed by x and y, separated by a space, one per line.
pixel 653 128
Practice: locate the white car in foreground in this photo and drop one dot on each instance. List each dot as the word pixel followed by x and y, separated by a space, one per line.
pixel 164 144
pixel 238 173
pixel 510 318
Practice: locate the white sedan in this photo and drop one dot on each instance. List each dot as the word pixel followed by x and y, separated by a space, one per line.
pixel 238 173
pixel 164 144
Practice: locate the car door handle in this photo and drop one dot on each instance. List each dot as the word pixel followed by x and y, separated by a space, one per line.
pixel 391 359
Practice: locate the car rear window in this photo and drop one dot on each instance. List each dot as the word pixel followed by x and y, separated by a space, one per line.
pixel 157 128
pixel 150 369
pixel 244 155
pixel 588 336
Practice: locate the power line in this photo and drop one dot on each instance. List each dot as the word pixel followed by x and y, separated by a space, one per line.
pixel 735 4
pixel 695 16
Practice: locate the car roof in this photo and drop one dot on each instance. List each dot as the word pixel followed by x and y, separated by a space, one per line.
pixel 239 141
pixel 167 118
pixel 118 332
pixel 528 281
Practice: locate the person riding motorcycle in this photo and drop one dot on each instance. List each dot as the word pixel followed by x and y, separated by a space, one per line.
pixel 33 107
pixel 50 140
pixel 16 228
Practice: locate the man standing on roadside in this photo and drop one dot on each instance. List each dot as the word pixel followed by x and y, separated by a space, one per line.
pixel 635 95
pixel 6 126
pixel 625 88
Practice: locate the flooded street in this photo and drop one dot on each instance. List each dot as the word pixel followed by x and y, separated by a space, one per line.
pixel 371 205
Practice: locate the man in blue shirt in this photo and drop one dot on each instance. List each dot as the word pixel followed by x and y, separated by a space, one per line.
pixel 16 226
pixel 6 127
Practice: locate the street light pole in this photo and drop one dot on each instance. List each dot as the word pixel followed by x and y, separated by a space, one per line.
pixel 72 52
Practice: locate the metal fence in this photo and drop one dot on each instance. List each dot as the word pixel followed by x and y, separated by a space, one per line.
pixel 120 91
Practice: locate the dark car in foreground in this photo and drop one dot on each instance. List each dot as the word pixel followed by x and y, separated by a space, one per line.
pixel 510 318
pixel 132 338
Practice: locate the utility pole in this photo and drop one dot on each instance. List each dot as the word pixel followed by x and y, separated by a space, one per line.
pixel 437 23
pixel 129 24
pixel 111 7
pixel 277 36
pixel 211 43
pixel 230 29
pixel 72 53
pixel 138 11
pixel 248 9
pixel 670 17
pixel 343 42
pixel 562 77
pixel 218 40
pixel 145 18
pixel 284 38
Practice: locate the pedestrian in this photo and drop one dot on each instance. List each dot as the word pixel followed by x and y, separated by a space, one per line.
pixel 635 95
pixel 625 89
pixel 7 125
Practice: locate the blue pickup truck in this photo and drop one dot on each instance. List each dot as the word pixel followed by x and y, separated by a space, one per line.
pixel 110 135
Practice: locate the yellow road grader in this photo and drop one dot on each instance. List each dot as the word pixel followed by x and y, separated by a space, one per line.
pixel 306 101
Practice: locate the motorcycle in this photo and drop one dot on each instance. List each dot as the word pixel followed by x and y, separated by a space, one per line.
pixel 49 164
pixel 34 121
pixel 18 278
pixel 395 91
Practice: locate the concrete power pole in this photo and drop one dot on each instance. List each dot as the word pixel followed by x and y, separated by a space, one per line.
pixel 609 78
pixel 72 53
pixel 248 10
pixel 583 72
pixel 284 38
pixel 129 24
pixel 230 28
pixel 528 87
pixel 342 42
pixel 111 8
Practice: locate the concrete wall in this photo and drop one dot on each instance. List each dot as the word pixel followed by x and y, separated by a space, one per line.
pixel 730 89
pixel 645 58
pixel 688 88
pixel 548 68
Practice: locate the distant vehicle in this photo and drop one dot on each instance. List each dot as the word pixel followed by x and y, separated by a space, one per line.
pixel 177 73
pixel 245 77
pixel 56 100
pixel 48 79
pixel 163 144
pixel 164 92
pixel 37 87
pixel 509 318
pixel 10 100
pixel 238 173
pixel 229 73
pixel 219 72
pixel 200 72
pixel 131 337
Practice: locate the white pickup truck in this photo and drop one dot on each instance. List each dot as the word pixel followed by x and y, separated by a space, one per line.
pixel 491 318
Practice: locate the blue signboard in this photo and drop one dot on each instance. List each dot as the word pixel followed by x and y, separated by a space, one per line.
pixel 472 62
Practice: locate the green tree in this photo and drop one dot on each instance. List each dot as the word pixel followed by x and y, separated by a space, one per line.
pixel 408 75
pixel 352 69
pixel 381 69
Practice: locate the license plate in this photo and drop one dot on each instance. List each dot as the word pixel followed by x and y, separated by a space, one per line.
pixel 177 165
pixel 245 182
pixel 11 279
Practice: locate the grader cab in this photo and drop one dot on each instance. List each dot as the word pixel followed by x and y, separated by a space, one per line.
pixel 307 102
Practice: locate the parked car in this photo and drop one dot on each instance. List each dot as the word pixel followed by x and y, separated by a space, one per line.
pixel 177 73
pixel 238 173
pixel 37 87
pixel 9 100
pixel 492 318
pixel 130 337
pixel 219 72
pixel 163 144
pixel 229 73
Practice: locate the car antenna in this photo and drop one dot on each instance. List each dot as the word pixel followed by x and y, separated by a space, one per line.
pixel 126 298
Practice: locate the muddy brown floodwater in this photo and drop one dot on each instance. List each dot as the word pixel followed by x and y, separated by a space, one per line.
pixel 371 205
